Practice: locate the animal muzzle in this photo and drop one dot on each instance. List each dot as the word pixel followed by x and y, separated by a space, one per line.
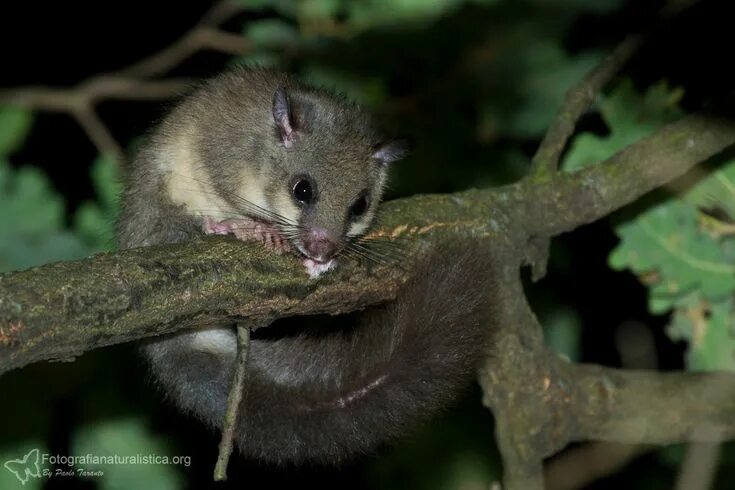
pixel 319 245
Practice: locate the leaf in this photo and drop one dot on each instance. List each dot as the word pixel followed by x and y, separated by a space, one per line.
pixel 128 438
pixel 32 221
pixel 28 203
pixel 562 329
pixel 716 190
pixel 709 328
pixel 685 266
pixel 629 117
pixel 271 33
pixel 106 182
pixel 94 221
pixel 666 240
pixel 318 9
pixel 14 126
pixel 19 252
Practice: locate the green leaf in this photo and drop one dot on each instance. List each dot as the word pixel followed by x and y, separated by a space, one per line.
pixel 318 9
pixel 709 328
pixel 28 250
pixel 562 329
pixel 685 265
pixel 629 117
pixel 14 126
pixel 666 240
pixel 94 221
pixel 715 190
pixel 271 33
pixel 32 221
pixel 127 437
pixel 28 203
pixel 106 182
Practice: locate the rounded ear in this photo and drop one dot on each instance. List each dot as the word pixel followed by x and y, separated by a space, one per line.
pixel 392 150
pixel 283 116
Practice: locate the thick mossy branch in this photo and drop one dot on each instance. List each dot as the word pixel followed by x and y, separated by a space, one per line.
pixel 61 310
pixel 633 406
pixel 568 201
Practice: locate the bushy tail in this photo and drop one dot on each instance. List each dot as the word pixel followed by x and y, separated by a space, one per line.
pixel 325 396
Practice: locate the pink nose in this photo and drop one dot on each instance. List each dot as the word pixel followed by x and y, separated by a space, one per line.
pixel 319 245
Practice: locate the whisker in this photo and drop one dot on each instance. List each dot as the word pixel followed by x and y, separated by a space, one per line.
pixel 373 256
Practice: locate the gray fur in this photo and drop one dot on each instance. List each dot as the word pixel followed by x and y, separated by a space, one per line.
pixel 313 397
pixel 328 397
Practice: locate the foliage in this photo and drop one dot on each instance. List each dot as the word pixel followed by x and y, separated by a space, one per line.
pixel 33 219
pixel 680 250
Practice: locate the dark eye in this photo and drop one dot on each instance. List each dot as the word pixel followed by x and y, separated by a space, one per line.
pixel 302 191
pixel 359 207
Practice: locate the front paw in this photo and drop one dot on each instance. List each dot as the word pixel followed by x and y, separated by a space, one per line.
pixel 248 230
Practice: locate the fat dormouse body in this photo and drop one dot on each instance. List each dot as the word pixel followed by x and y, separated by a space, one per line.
pixel 257 154
pixel 260 155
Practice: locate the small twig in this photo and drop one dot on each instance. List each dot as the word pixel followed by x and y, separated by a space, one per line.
pixel 188 44
pixel 234 400
pixel 130 83
pixel 599 189
pixel 98 133
pixel 577 100
pixel 581 96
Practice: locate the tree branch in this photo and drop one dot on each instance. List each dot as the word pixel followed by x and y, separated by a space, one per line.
pixel 542 403
pixel 566 201
pixel 577 101
pixel 61 310
pixel 579 98
pixel 234 400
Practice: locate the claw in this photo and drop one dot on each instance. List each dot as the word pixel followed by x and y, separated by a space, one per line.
pixel 247 230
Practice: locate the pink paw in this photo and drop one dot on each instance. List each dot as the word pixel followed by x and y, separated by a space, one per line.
pixel 214 227
pixel 248 230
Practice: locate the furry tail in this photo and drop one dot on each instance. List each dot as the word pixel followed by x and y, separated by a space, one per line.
pixel 325 396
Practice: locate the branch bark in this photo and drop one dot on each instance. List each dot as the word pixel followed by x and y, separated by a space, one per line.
pixel 572 200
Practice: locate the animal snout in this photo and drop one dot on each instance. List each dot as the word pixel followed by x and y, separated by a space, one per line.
pixel 319 245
